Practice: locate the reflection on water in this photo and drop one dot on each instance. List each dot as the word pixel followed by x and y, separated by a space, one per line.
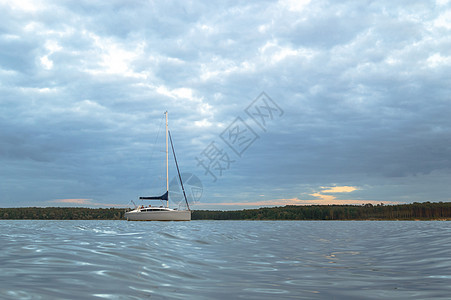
pixel 225 260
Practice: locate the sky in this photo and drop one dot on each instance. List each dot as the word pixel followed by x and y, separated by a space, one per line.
pixel 270 103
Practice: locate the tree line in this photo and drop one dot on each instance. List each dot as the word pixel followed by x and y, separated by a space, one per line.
pixel 413 211
pixel 61 213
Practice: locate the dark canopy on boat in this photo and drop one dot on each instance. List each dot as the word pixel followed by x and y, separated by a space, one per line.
pixel 162 197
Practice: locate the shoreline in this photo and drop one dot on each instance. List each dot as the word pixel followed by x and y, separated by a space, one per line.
pixel 427 211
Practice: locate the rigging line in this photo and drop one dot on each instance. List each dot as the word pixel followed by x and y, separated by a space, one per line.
pixel 178 171
pixel 155 142
pixel 153 147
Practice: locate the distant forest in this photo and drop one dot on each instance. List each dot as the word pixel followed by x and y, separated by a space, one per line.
pixel 414 211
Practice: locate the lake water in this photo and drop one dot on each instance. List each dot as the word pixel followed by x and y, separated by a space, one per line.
pixel 225 260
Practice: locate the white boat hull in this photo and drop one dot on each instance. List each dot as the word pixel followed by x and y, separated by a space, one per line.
pixel 173 215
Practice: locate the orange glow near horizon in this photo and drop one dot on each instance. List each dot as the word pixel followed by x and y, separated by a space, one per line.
pixel 321 199
pixel 82 201
pixel 296 201
pixel 338 189
pixel 74 201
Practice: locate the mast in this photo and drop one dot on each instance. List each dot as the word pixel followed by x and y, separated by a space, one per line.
pixel 165 196
pixel 167 159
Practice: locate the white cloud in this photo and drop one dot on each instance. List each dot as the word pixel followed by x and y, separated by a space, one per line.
pixel 295 5
pixel 46 62
pixel 443 2
pixel 219 69
pixel 444 20
pixel 436 60
pixel 177 93
pixel 52 46
pixel 273 53
pixel 24 5
pixel 203 123
pixel 87 107
pixel 114 58
pixel 364 87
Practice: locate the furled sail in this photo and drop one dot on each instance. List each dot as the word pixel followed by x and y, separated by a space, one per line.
pixel 162 197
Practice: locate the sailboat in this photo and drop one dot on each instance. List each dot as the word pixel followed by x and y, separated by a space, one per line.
pixel 162 213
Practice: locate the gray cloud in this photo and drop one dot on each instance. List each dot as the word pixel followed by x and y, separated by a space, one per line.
pixel 364 87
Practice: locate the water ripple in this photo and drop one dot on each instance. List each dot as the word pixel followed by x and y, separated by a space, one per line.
pixel 224 260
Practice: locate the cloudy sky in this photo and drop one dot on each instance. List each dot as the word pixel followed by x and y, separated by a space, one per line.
pixel 270 102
